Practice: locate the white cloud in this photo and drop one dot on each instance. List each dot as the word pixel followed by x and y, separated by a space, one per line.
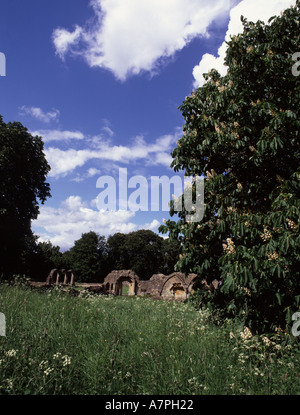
pixel 64 225
pixel 63 162
pixel 39 114
pixel 162 159
pixel 253 10
pixel 131 36
pixel 58 135
pixel 63 40
pixel 91 172
pixel 151 226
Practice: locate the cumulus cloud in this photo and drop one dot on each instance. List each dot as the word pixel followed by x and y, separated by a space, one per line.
pixel 39 114
pixel 131 36
pixel 63 162
pixel 65 224
pixel 253 10
pixel 58 135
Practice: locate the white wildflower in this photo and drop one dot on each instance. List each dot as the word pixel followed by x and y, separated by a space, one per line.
pixel 11 353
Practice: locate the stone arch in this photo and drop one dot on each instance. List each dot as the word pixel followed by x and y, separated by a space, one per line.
pixel 63 276
pixel 52 277
pixel 57 276
pixel 126 281
pixel 68 277
pixel 60 276
pixel 117 279
pixel 174 287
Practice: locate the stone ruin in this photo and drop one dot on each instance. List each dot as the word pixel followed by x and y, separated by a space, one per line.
pixel 61 276
pixel 175 286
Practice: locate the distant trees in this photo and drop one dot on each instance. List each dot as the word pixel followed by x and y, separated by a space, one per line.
pixel 23 171
pixel 88 257
pixel 92 257
pixel 117 251
pixel 143 251
pixel 38 258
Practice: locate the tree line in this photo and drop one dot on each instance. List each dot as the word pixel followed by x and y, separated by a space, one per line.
pixel 23 186
pixel 93 256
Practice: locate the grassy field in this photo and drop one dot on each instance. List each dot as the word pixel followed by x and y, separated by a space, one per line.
pixel 57 343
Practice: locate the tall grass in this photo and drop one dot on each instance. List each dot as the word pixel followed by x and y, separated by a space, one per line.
pixel 61 344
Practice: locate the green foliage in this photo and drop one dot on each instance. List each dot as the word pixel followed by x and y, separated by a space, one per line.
pixel 23 171
pixel 171 252
pixel 87 257
pixel 38 258
pixel 92 257
pixel 49 257
pixel 117 252
pixel 19 281
pixel 144 248
pixel 242 133
pixel 143 251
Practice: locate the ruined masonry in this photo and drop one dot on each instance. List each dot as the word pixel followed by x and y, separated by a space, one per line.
pixel 60 276
pixel 126 282
pixel 174 286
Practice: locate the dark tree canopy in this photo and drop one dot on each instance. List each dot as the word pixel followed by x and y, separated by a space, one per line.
pixel 143 251
pixel 40 257
pixel 242 133
pixel 23 171
pixel 87 257
pixel 117 252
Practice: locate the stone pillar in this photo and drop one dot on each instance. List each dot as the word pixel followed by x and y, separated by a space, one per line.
pixel 72 279
pixel 57 277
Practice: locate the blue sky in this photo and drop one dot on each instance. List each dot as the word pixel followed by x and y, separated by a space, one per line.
pixel 101 82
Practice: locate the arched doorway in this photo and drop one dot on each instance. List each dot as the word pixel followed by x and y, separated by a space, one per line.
pixel 125 286
pixel 174 288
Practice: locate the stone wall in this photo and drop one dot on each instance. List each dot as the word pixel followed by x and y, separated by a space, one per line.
pixel 126 282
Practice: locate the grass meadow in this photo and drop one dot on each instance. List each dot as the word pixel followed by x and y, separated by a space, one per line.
pixel 57 343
